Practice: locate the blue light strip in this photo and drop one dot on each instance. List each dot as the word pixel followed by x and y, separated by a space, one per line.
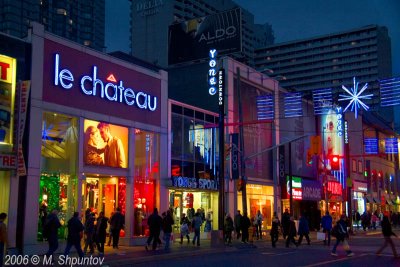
pixel 390 92
pixel 391 146
pixel 265 107
pixel 371 145
pixel 322 101
pixel 293 105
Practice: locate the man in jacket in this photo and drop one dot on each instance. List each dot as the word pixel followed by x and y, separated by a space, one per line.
pixel 154 222
pixel 117 223
pixel 51 230
pixel 228 227
pixel 291 233
pixel 168 221
pixel 304 230
pixel 326 224
pixel 89 231
pixel 285 223
pixel 75 228
pixel 196 224
pixel 245 224
pixel 276 224
pixel 237 219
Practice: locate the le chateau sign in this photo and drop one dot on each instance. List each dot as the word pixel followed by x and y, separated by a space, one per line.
pixel 92 85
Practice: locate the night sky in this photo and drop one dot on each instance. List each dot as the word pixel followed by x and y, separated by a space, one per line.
pixel 290 19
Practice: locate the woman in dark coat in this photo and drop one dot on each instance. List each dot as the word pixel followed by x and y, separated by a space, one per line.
pixel 101 232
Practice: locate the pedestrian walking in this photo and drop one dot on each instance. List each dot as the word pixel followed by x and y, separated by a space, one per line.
pixel 117 223
pixel 244 227
pixel 101 233
pixel 75 233
pixel 185 228
pixel 387 233
pixel 304 230
pixel 228 228
pixel 110 231
pixel 326 224
pixel 364 221
pixel 258 224
pixel 285 223
pixel 292 233
pixel 275 230
pixel 51 232
pixel 237 220
pixel 3 236
pixel 357 219
pixel 89 231
pixel 167 223
pixel 196 224
pixel 341 234
pixel 374 220
pixel 155 223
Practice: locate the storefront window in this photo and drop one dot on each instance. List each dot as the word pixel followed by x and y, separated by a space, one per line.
pixel 259 198
pixel 176 129
pixel 189 203
pixel 147 173
pixel 58 181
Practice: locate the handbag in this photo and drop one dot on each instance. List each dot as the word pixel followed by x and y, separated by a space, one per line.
pixel 320 236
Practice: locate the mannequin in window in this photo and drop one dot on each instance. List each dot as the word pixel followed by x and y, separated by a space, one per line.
pixel 138 217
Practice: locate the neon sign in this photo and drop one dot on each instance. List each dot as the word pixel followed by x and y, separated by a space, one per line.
pixel 335 188
pixel 91 85
pixel 339 116
pixel 212 72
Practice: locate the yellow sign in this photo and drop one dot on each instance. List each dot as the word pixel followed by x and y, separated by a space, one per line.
pixel 8 72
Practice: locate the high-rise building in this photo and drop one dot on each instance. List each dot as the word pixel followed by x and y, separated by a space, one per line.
pixel 152 18
pixel 331 60
pixel 79 21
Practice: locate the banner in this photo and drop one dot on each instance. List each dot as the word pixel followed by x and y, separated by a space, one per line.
pixel 193 39
pixel 23 92
pixel 235 157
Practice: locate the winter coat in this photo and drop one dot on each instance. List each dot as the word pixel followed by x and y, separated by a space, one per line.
pixel 292 229
pixel 275 227
pixel 154 222
pixel 168 221
pixel 75 227
pixel 228 224
pixel 89 224
pixel 117 221
pixel 238 218
pixel 245 223
pixel 326 222
pixel 51 226
pixel 101 229
pixel 286 221
pixel 303 226
pixel 197 222
pixel 387 228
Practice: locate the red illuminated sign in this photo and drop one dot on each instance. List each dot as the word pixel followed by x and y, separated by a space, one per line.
pixel 335 188
pixel 297 193
pixel 111 78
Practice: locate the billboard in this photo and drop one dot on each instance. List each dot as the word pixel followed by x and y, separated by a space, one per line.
pixel 8 70
pixel 332 134
pixel 105 144
pixel 193 39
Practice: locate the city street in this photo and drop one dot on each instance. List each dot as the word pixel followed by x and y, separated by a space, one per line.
pixel 364 246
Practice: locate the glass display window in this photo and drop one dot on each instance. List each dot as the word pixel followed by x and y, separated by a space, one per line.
pixel 57 192
pixel 147 173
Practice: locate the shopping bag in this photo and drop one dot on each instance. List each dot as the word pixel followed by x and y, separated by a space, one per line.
pixel 320 236
pixel 346 245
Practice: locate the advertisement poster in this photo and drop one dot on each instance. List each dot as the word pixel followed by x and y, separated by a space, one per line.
pixel 105 144
pixel 332 134
pixel 7 96
pixel 192 39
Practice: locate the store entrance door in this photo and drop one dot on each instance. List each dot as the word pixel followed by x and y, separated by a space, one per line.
pixel 100 194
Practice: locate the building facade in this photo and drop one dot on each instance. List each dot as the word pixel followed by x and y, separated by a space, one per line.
pixel 78 21
pixel 151 19
pixel 331 60
pixel 99 151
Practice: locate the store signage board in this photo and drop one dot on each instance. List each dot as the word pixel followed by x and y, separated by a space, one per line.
pixel 194 183
pixel 101 84
pixel 8 161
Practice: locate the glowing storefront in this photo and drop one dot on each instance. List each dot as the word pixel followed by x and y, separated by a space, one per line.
pixel 100 126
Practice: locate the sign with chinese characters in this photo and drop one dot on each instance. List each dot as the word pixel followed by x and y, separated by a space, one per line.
pixel 335 188
pixel 195 183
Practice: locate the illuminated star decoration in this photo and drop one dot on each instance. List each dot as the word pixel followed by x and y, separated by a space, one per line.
pixel 355 97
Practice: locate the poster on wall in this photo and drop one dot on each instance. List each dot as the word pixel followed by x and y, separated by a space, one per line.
pixel 105 144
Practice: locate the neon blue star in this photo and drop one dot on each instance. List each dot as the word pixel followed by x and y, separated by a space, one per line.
pixel 355 97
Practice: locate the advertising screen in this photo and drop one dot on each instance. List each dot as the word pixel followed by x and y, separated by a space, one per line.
pixel 332 134
pixel 105 144
pixel 192 39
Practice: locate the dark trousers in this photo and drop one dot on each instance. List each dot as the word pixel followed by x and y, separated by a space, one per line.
pixel 245 235
pixel 327 237
pixel 258 230
pixel 100 247
pixel 388 241
pixel 237 233
pixel 1 253
pixel 338 240
pixel 301 238
pixel 115 236
pixel 196 236
pixel 228 237
pixel 77 246
pixel 89 242
pixel 53 246
pixel 289 239
pixel 154 236
pixel 274 239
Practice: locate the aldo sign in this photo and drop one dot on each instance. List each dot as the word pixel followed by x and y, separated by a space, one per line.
pixel 99 83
